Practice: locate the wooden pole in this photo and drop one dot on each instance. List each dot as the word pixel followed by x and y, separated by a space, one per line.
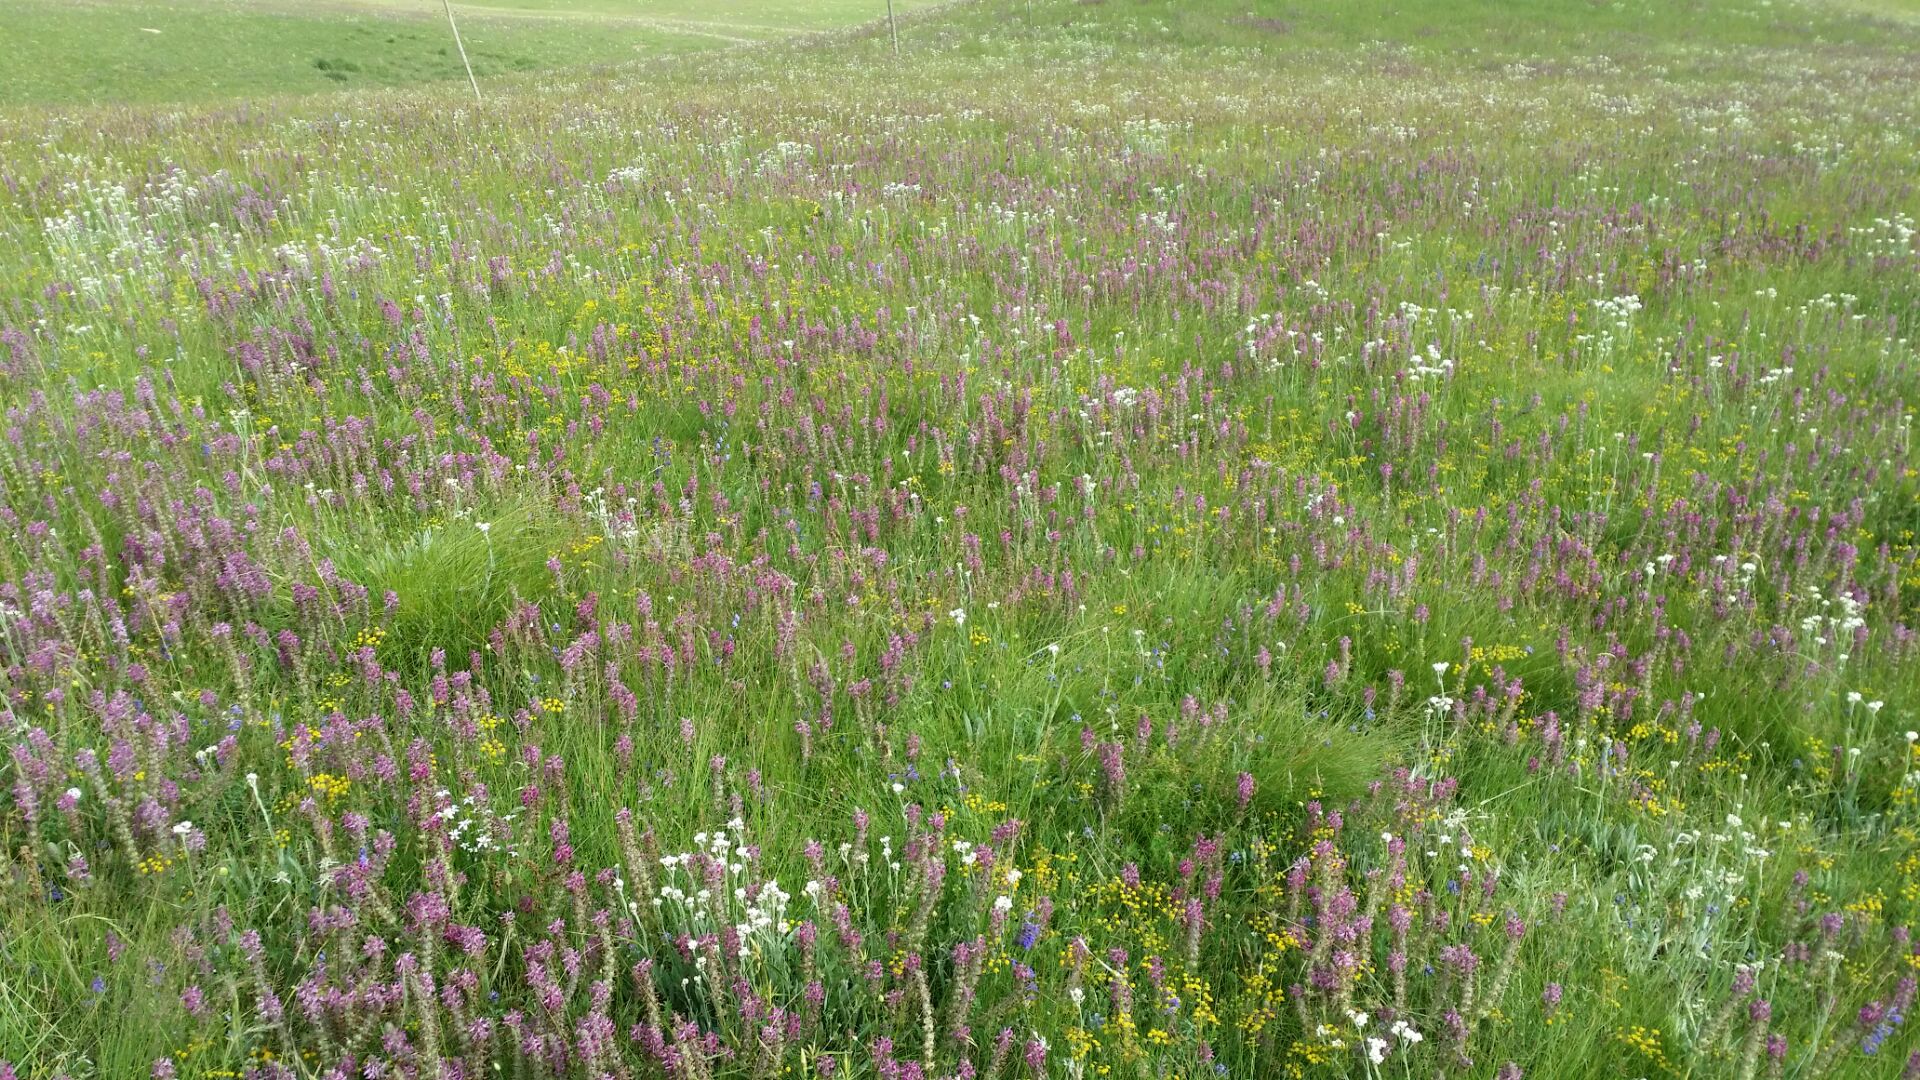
pixel 892 29
pixel 458 44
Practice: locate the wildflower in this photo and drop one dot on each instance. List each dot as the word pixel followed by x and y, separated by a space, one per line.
pixel 1029 933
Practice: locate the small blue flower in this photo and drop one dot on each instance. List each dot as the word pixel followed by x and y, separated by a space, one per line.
pixel 1029 933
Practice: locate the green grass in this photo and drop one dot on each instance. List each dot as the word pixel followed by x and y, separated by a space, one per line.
pixel 70 52
pixel 1155 423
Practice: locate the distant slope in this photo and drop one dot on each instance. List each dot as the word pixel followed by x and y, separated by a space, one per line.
pixel 63 52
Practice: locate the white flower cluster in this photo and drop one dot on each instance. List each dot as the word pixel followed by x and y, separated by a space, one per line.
pixel 1827 625
pixel 1888 238
pixel 1614 317
pixel 1378 1046
pixel 471 827
pixel 1433 365
pixel 1618 311
pixel 755 911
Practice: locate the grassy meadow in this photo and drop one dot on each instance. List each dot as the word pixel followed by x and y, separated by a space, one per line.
pixel 158 52
pixel 1126 540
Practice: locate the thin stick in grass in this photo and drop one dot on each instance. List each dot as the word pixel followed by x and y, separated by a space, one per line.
pixel 458 44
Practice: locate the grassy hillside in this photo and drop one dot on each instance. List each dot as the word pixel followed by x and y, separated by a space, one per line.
pixel 1131 540
pixel 157 51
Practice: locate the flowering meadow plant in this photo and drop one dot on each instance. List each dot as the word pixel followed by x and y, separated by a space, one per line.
pixel 1132 540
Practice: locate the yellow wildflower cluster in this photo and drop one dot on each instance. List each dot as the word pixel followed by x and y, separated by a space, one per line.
pixel 329 786
pixel 491 747
pixel 1644 1041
